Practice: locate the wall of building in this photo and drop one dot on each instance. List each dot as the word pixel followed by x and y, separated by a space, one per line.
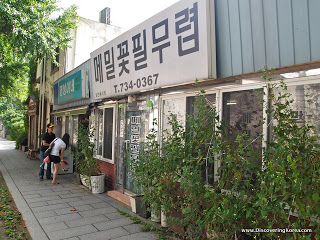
pixel 88 36
pixel 250 34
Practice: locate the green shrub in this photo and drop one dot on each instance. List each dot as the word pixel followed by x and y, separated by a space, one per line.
pixel 245 195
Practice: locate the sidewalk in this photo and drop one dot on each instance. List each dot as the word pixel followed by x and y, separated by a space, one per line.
pixel 46 208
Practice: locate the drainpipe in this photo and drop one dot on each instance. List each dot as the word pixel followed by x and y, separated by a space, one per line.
pixel 42 92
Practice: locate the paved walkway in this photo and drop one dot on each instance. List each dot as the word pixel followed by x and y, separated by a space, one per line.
pixel 46 208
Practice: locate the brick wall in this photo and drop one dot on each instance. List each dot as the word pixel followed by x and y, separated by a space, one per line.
pixel 109 170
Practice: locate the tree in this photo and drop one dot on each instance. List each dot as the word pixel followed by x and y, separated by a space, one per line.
pixel 28 32
pixel 13 110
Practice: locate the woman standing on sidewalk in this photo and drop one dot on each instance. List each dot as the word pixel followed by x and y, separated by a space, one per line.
pixel 47 138
pixel 56 155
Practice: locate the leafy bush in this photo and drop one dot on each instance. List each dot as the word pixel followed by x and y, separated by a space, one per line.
pixel 85 162
pixel 282 193
pixel 22 139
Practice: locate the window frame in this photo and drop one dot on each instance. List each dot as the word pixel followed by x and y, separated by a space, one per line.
pixel 184 96
pixel 219 90
pixel 234 87
pixel 96 133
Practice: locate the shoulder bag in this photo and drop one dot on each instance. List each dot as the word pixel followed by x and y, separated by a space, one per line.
pixel 48 151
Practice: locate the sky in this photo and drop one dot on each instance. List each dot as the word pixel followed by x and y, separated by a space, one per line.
pixel 124 13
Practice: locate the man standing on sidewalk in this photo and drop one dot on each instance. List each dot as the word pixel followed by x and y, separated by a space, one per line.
pixel 47 138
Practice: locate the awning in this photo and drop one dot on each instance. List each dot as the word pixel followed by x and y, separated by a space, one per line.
pixel 73 111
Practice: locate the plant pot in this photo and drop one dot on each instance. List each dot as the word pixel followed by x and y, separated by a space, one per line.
pixel 85 180
pixel 163 219
pixel 24 148
pixel 97 183
pixel 133 204
pixel 138 206
pixel 155 216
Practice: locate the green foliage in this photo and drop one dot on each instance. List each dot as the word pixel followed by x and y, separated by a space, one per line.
pixel 28 28
pixel 28 32
pixel 10 217
pixel 276 188
pixel 14 120
pixel 22 139
pixel 85 162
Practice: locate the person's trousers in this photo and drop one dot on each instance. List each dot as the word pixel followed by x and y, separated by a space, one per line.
pixel 42 164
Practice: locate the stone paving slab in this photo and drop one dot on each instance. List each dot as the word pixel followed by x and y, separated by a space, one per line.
pixel 45 214
pixel 60 218
pixel 50 207
pixel 46 208
pixel 113 223
pixel 42 199
pixel 72 232
pixel 137 236
pixel 85 221
pixel 98 212
pixel 57 193
pixel 36 192
pixel 38 204
pixel 65 200
pixel 115 215
pixel 85 202
pixel 132 228
pixel 70 209
pixel 100 205
pixel 105 235
pixel 54 227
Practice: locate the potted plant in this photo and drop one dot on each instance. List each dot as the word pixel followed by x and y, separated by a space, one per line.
pixel 86 165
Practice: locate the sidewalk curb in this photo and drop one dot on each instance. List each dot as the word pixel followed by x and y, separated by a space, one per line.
pixel 31 222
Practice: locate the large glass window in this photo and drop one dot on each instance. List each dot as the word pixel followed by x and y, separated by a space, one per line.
pixel 58 126
pixel 243 114
pixel 306 105
pixel 175 106
pixel 207 169
pixel 104 143
pixel 108 130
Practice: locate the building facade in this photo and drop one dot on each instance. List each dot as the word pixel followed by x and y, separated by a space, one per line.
pixel 87 36
pixel 149 72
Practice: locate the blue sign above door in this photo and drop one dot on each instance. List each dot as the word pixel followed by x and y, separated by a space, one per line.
pixel 72 88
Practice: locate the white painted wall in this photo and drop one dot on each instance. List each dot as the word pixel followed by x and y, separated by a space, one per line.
pixel 88 36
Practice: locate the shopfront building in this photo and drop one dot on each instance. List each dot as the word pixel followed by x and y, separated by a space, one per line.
pixel 72 105
pixel 149 72
pixel 168 49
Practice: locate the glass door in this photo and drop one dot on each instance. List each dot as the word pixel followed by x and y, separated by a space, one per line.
pixel 134 135
pixel 121 146
pixel 135 121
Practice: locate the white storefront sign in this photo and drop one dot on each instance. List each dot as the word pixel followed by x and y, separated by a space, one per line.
pixel 167 49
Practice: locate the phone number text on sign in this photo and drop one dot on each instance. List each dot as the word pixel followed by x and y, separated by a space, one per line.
pixel 136 84
pixel 172 44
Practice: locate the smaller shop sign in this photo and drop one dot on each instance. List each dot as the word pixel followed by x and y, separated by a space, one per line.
pixel 72 88
pixel 135 137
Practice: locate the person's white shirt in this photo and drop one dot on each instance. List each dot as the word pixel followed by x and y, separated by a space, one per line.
pixel 58 145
